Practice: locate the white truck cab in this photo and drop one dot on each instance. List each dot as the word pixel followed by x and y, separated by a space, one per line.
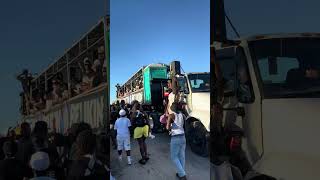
pixel 196 90
pixel 275 81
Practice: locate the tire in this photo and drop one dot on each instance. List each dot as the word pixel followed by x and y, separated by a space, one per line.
pixel 263 177
pixel 196 138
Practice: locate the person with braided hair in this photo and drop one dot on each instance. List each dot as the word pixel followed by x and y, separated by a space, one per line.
pixel 86 165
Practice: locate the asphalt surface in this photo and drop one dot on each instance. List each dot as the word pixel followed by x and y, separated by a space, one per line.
pixel 160 166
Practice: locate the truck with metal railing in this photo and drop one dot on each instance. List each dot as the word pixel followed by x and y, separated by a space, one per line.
pixel 74 88
pixel 149 87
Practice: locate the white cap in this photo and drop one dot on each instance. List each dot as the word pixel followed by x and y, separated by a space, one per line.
pixel 122 112
pixel 39 161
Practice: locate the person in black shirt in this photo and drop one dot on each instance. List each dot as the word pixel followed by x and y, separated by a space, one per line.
pixel 41 143
pixel 114 116
pixel 2 141
pixel 86 166
pixel 10 167
pixel 25 146
pixel 141 130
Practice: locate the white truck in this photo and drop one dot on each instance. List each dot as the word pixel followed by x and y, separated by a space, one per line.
pixel 265 95
pixel 195 90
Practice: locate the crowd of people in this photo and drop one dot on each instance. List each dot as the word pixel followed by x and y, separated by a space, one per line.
pixel 130 120
pixel 93 73
pixel 131 86
pixel 81 153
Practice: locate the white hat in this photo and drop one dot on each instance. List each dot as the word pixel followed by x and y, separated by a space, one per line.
pixel 122 112
pixel 39 161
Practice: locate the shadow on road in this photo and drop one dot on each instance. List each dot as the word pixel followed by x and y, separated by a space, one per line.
pixel 160 166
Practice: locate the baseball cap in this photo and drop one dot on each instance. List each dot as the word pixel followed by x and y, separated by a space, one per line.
pixel 40 161
pixel 122 112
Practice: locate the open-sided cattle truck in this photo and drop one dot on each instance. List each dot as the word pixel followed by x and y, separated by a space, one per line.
pixel 148 86
pixel 90 106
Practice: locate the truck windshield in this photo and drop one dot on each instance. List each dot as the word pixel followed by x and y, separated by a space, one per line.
pixel 288 67
pixel 199 82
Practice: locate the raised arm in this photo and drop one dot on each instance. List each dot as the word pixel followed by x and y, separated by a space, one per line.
pixel 169 121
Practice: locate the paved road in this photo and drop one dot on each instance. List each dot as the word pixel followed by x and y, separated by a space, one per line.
pixel 159 167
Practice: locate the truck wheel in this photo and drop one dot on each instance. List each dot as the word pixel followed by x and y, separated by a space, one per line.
pixel 196 137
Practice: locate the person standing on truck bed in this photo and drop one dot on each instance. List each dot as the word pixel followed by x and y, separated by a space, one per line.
pixel 141 130
pixel 178 141
pixel 88 74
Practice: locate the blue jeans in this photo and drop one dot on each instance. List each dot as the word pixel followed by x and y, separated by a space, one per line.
pixel 178 149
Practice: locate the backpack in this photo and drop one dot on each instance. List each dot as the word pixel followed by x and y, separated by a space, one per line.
pixel 140 120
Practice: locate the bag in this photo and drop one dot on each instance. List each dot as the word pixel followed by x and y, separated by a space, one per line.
pixel 140 120
pixel 163 119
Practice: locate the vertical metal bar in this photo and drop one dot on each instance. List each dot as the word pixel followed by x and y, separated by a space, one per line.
pixel 68 75
pixel 217 24
pixel 46 81
pixel 107 61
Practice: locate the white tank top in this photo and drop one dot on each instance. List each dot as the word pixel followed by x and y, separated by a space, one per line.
pixel 177 125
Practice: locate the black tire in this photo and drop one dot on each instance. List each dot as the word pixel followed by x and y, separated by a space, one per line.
pixel 263 177
pixel 196 138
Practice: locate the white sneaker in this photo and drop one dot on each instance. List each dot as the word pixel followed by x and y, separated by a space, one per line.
pixel 120 158
pixel 129 160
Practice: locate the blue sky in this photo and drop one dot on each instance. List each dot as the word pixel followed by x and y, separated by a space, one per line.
pixel 273 16
pixel 32 34
pixel 145 32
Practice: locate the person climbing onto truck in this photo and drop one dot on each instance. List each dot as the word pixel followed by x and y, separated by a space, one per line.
pixel 141 130
pixel 178 141
pixel 121 126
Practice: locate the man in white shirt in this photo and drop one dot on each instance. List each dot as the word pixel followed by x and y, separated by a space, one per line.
pixel 122 125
